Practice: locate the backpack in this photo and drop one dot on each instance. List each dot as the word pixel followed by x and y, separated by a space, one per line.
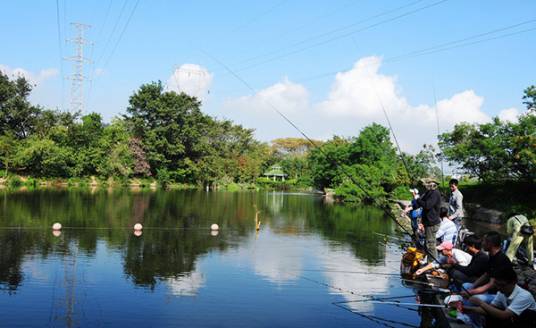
pixel 526 229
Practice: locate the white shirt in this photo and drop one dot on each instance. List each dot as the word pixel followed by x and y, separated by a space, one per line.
pixel 519 301
pixel 447 231
pixel 461 257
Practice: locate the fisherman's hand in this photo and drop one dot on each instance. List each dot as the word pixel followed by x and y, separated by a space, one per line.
pixel 419 272
pixel 465 294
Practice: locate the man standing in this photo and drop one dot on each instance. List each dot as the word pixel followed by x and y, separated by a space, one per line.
pixel 455 204
pixel 520 231
pixel 430 203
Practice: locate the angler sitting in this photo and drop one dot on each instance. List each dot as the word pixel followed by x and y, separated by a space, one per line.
pixel 476 268
pixel 513 306
pixel 450 256
pixel 447 229
pixel 483 287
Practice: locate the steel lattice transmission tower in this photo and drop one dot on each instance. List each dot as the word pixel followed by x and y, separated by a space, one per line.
pixel 77 77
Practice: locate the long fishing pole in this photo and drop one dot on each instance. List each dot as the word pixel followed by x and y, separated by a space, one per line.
pixel 375 319
pixel 394 137
pixel 407 304
pixel 341 167
pixel 438 133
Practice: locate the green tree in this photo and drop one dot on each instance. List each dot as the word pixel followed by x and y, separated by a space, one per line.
pixel 529 98
pixel 496 151
pixel 362 169
pixel 17 115
pixel 169 125
pixel 7 151
pixel 113 154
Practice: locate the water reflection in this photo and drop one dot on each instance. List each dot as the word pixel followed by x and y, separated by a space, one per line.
pixel 301 239
pixel 186 285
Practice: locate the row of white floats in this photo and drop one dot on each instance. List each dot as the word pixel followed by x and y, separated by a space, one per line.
pixel 138 227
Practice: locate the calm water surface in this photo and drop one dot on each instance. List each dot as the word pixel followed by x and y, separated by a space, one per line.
pixel 97 273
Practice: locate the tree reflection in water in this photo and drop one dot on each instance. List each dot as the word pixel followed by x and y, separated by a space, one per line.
pixel 176 228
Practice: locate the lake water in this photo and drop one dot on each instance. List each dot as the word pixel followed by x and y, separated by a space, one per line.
pixel 97 273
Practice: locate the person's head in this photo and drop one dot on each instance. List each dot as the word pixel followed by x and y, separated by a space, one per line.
pixel 430 183
pixel 473 243
pixel 443 213
pixel 446 248
pixel 505 280
pixel 492 241
pixel 453 184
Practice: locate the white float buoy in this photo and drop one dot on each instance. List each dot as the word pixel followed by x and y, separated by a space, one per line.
pixel 56 226
pixel 138 226
pixel 214 226
pixel 214 233
pixel 138 233
pixel 56 233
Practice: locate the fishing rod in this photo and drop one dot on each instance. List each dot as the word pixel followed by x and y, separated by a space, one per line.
pixel 341 167
pixel 407 304
pixel 438 133
pixel 375 319
pixel 410 176
pixel 355 272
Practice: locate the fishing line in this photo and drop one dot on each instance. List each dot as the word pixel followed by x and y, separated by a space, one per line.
pixel 438 133
pixel 378 320
pixel 355 272
pixel 407 304
pixel 394 135
pixel 348 175
pixel 342 170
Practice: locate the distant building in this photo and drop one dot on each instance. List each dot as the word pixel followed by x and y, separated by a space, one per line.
pixel 275 172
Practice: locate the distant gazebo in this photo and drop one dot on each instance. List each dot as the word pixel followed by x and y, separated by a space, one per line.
pixel 275 172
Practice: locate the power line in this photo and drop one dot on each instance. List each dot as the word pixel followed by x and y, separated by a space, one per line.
pixel 259 15
pixel 60 48
pixel 383 13
pixel 92 73
pixel 108 9
pixel 122 32
pixel 113 31
pixel 438 48
pixel 344 35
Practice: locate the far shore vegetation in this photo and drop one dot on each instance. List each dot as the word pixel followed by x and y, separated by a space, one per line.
pixel 164 140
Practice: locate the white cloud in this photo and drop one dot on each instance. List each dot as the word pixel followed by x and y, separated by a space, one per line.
pixel 191 79
pixel 509 115
pixel 257 110
pixel 360 93
pixel 354 101
pixel 32 77
pixel 286 96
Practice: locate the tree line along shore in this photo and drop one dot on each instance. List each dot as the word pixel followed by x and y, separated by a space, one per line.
pixel 164 140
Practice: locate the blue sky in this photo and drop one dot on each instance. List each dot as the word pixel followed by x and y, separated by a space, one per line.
pixel 285 43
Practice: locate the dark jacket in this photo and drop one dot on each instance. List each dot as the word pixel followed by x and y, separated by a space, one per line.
pixel 430 203
pixel 477 267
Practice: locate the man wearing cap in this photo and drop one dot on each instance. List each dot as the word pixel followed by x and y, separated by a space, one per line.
pixel 450 256
pixel 430 203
